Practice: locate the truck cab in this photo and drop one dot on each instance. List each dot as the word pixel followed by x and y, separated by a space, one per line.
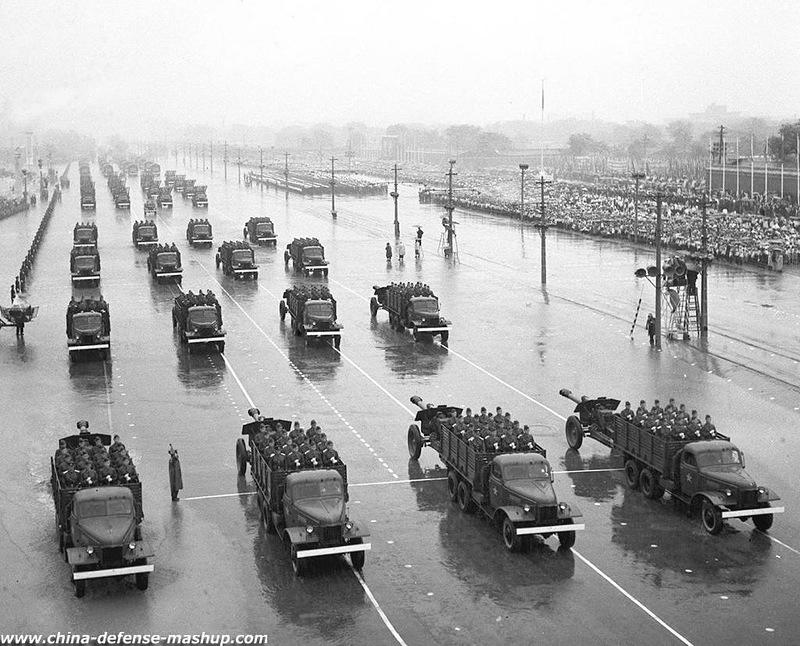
pixel 84 234
pixel 423 310
pixel 711 475
pixel 319 314
pixel 313 256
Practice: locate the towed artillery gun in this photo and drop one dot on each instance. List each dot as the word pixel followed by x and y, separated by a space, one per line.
pixel 706 475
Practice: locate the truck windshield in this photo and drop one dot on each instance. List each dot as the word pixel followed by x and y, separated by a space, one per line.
pixel 87 322
pixel 147 232
pixel 425 305
pixel 84 235
pixel 242 255
pixel 320 310
pixel 723 457
pixel 168 259
pixel 84 262
pixel 204 315
pixel 100 508
pixel 200 229
pixel 312 254
pixel 314 490
pixel 536 471
pixel 264 228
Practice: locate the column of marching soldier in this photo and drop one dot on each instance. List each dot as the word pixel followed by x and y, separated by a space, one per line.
pixel 90 464
pixel 20 279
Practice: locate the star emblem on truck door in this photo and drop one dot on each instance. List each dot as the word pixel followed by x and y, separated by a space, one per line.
pixel 494 491
pixel 688 477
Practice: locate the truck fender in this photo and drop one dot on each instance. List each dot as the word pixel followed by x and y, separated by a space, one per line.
pixel 299 536
pixel 356 532
pixel 79 556
pixel 515 514
pixel 714 497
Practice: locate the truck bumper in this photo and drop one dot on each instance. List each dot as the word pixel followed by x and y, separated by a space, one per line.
pixel 266 239
pixel 341 549
pixel 146 243
pixel 244 272
pixel 424 330
pixel 550 529
pixel 323 332
pixel 93 346
pixel 167 274
pixel 206 339
pixel 76 279
pixel 315 267
pixel 760 511
pixel 117 571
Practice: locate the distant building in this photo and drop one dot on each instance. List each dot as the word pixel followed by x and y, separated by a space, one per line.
pixel 715 114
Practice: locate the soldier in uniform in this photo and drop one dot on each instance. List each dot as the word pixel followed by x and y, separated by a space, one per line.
pixel 116 446
pixel 525 440
pixel 670 407
pixel 312 457
pixel 70 478
pixel 682 414
pixel 708 431
pixel 277 460
pixel 88 476
pixel 641 412
pixel 627 413
pixel 498 417
pixel 330 457
pixel 105 474
pixel 294 459
pixel 98 451
pixel 508 440
pixel 695 424
pixel 656 409
pixel 126 472
pixel 63 451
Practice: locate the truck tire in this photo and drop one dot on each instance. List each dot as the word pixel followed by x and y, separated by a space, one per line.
pixel 286 258
pixel 574 432
pixel 511 539
pixel 632 474
pixel 80 588
pixel 358 558
pixel 142 580
pixel 452 485
pixel 298 564
pixel 566 539
pixel 445 337
pixel 216 259
pixel 221 347
pixel 763 522
pixel 465 501
pixel 648 483
pixel 282 310
pixel 373 306
pixel 711 517
pixel 414 442
pixel 241 457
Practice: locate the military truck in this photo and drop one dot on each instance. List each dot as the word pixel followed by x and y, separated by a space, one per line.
pixel 84 233
pixel 199 232
pixel 146 181
pixel 180 182
pixel 88 201
pixel 88 328
pixel 155 168
pixel 145 233
pixel 313 312
pixel 706 475
pixel 187 189
pixel 132 168
pixel 199 197
pixel 260 231
pixel 164 263
pixel 411 306
pixel 198 319
pixel 237 259
pixel 306 507
pixel 164 197
pixel 154 190
pixel 99 527
pixel 169 178
pixel 512 488
pixel 84 265
pixel 122 198
pixel 307 256
pixel 150 209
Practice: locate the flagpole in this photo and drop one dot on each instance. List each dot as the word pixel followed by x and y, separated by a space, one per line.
pixel 724 154
pixel 710 162
pixel 766 167
pixel 797 157
pixel 737 168
pixel 782 162
pixel 752 168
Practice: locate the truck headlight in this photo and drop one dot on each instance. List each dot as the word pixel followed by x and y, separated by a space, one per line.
pixel 526 508
pixel 762 491
pixel 348 525
pixel 309 530
pixel 728 492
pixel 562 506
pixel 90 550
pixel 131 546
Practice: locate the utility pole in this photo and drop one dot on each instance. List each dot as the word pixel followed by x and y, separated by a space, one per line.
pixel 522 168
pixel 184 155
pixel 395 195
pixel 225 158
pixel 658 271
pixel 333 190
pixel 25 185
pixel 261 153
pixel 286 173
pixel 449 208
pixel 704 277
pixel 239 164
pixel 636 176
pixel 721 143
pixel 542 226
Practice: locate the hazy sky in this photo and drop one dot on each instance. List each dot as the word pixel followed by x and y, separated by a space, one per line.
pixel 122 64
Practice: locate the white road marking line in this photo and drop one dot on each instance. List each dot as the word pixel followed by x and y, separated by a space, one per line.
pixel 781 543
pixel 108 397
pixel 633 599
pixel 377 607
pixel 386 392
pixel 590 470
pixel 221 495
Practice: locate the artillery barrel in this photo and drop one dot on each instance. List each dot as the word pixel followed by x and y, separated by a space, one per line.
pixel 565 392
pixel 417 400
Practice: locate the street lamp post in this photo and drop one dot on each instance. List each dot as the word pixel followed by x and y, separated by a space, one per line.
pixel 522 168
pixel 261 164
pixel 450 206
pixel 395 195
pixel 636 176
pixel 25 184
pixel 704 278
pixel 658 271
pixel 542 226
pixel 333 190
pixel 286 173
pixel 239 164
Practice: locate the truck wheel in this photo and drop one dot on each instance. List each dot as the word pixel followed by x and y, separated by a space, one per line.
pixel 269 519
pixel 286 258
pixel 465 501
pixel 373 306
pixel 357 558
pixel 414 442
pixel 632 474
pixel 648 483
pixel 337 341
pixel 282 310
pixel 711 517
pixel 80 588
pixel 512 541
pixel 574 432
pixel 566 539
pixel 216 259
pixel 452 485
pixel 763 522
pixel 445 336
pixel 241 457
pixel 298 565
pixel 221 347
pixel 67 545
pixel 142 580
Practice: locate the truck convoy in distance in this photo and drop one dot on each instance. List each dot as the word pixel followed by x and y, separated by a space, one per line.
pixel 508 479
pixel 313 312
pixel 199 232
pixel 122 197
pixel 164 197
pixel 145 233
pixel 411 306
pixel 88 327
pixel 187 188
pixel 98 501
pixel 237 259
pixel 305 505
pixel 180 182
pixel 260 231
pixel 164 263
pixel 88 200
pixel 84 233
pixel 149 209
pixel 199 197
pixel 84 265
pixel 698 466
pixel 169 179
pixel 307 256
pixel 198 319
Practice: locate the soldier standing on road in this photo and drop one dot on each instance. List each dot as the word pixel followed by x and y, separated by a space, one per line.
pixel 13 294
pixel 388 253
pixel 175 476
pixel 651 328
pixel 418 243
pixel 401 251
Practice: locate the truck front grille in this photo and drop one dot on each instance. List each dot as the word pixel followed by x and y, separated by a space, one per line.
pixel 548 513
pixel 330 535
pixel 748 497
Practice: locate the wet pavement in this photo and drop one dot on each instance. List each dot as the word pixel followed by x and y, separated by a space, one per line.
pixel 641 572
